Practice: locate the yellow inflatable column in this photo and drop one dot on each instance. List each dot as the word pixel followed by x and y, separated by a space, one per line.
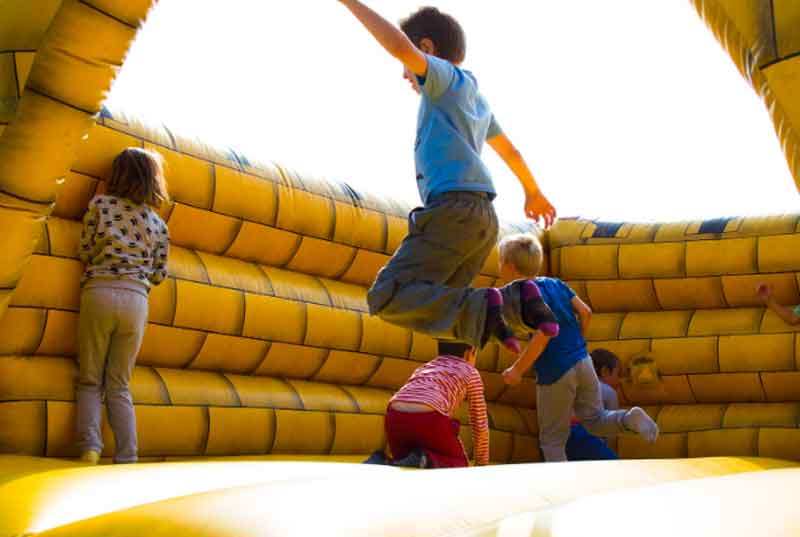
pixel 78 58
pixel 762 38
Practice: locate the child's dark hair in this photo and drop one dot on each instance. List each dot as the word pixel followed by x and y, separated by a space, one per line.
pixel 138 175
pixel 453 348
pixel 445 32
pixel 603 358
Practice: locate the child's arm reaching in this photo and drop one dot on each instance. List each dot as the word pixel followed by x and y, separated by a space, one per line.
pixel 584 313
pixel 478 419
pixel 390 37
pixel 513 375
pixel 536 205
pixel 764 291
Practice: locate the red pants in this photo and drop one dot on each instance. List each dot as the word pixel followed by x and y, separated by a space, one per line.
pixel 435 434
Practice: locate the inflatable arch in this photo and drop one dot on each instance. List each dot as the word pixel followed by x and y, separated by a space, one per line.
pixel 259 346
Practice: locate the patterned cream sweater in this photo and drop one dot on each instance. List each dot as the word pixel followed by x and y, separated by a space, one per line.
pixel 123 241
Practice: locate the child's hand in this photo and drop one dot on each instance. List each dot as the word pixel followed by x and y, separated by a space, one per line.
pixel 537 206
pixel 764 291
pixel 511 376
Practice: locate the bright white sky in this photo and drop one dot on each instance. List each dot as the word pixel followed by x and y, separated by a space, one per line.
pixel 625 110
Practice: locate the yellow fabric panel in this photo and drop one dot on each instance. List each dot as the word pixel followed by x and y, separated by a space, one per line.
pixel 190 180
pixel 652 260
pixel 148 388
pixel 723 443
pixel 381 338
pixel 235 274
pixel 526 449
pixel 198 388
pixel 780 253
pixel 772 323
pixel 265 392
pixel 671 231
pixel 784 386
pixel 756 353
pixel 19 236
pixel 622 295
pixel 531 421
pixel 423 347
pixel 50 282
pixel 369 400
pixel 61 434
pixel 761 415
pixel 787 19
pixel 323 258
pixel 218 231
pixel 365 267
pixel 8 86
pixel 29 439
pixel 778 443
pixel 297 286
pixel 655 324
pixel 359 227
pixel 555 262
pixel 673 389
pixel 605 326
pixel 683 418
pixel 565 232
pixel 326 397
pixel 60 337
pixel 493 385
pixel 36 378
pixel 64 237
pixel 230 354
pixel 187 428
pixel 97 152
pixel 741 290
pixel 725 387
pixel 342 367
pixel 501 446
pixel 506 418
pixel 392 373
pixel 305 213
pixel 260 318
pixel 785 111
pixel 186 265
pixel 131 12
pixel 22 329
pixel 668 446
pixel 397 229
pixel 195 300
pixel 332 328
pixel 346 296
pixel 300 431
pixel 357 433
pixel 768 225
pixel 690 293
pixel 293 361
pixel 589 262
pixel 74 196
pixel 240 431
pixel 733 321
pixel 162 302
pixel 22 27
pixel 250 241
pixel 686 355
pixel 523 395
pixel 488 357
pixel 728 256
pixel 166 346
pixel 245 196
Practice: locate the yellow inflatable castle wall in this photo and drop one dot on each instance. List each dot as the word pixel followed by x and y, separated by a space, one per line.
pixel 259 342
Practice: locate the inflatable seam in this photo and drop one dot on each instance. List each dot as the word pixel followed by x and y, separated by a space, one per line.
pixel 42 93
pixel 107 14
pixel 207 433
pixel 165 389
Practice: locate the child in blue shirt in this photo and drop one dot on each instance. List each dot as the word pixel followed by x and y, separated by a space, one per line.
pixel 566 380
pixel 426 284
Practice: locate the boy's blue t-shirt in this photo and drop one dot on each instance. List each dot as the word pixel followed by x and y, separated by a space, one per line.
pixel 453 122
pixel 568 347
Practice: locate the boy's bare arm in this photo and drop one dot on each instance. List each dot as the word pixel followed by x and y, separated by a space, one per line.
pixel 513 375
pixel 536 204
pixel 389 36
pixel 584 313
pixel 764 292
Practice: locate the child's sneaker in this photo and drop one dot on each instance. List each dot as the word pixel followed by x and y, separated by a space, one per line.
pixel 377 457
pixel 90 456
pixel 495 323
pixel 535 313
pixel 415 459
pixel 638 421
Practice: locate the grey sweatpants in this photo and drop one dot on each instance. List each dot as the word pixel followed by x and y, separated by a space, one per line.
pixel 578 392
pixel 425 285
pixel 111 327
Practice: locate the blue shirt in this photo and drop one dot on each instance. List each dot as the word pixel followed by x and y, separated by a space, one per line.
pixel 453 122
pixel 568 347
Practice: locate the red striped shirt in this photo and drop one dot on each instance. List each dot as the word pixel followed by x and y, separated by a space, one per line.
pixel 443 384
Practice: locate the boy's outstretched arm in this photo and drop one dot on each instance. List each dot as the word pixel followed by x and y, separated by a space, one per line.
pixel 764 292
pixel 536 205
pixel 513 375
pixel 584 313
pixel 390 37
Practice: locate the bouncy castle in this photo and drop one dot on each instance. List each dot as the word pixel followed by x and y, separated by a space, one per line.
pixel 262 378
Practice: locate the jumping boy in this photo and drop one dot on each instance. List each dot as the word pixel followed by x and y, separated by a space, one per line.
pixel 425 285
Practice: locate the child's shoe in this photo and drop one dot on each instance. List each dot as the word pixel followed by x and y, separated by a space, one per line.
pixel 90 456
pixel 415 459
pixel 638 421
pixel 535 313
pixel 495 323
pixel 377 457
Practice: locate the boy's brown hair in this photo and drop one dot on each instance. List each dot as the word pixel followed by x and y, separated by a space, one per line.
pixel 604 359
pixel 445 32
pixel 523 252
pixel 138 175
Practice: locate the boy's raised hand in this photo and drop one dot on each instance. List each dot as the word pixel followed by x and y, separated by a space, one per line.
pixel 537 206
pixel 511 376
pixel 764 291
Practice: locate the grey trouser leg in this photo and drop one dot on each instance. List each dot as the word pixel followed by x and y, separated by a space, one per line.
pixel 589 407
pixel 111 327
pixel 424 286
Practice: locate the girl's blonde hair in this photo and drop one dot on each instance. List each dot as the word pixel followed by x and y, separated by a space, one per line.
pixel 523 252
pixel 138 175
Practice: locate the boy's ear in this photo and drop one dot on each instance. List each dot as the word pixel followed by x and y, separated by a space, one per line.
pixel 426 45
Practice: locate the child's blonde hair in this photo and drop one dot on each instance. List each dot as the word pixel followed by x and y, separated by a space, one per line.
pixel 523 252
pixel 138 175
